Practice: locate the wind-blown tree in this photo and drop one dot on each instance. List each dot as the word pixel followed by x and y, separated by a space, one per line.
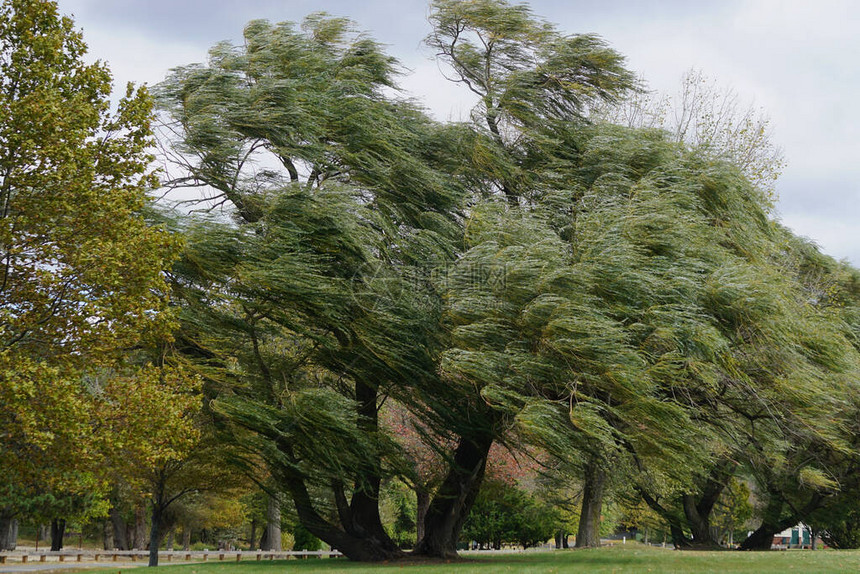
pixel 697 326
pixel 534 86
pixel 80 268
pixel 529 79
pixel 816 463
pixel 601 290
pixel 775 400
pixel 310 307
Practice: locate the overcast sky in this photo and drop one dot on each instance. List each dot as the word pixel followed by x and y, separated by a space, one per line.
pixel 796 59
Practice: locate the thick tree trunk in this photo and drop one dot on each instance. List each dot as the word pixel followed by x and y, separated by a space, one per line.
pixel 120 530
pixel 423 500
pixel 140 527
pixel 454 499
pixel 699 523
pixel 353 547
pixel 679 539
pixel 698 509
pixel 58 530
pixel 8 532
pixel 107 535
pixel 363 519
pixel 271 540
pixel 775 521
pixel 360 535
pixel 761 538
pixel 588 534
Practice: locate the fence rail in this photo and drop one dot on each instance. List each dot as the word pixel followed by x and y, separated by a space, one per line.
pixel 166 555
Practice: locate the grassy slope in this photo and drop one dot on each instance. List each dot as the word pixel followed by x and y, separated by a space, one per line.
pixel 629 558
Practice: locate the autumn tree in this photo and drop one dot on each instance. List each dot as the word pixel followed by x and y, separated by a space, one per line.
pixel 708 117
pixel 81 274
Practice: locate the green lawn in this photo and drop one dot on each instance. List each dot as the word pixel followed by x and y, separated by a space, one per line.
pixel 627 558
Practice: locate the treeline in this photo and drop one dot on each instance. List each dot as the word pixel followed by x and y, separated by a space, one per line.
pixel 368 308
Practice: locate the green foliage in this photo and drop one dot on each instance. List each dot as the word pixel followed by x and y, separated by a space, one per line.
pixel 505 514
pixel 843 534
pixel 82 277
pixel 304 540
pixel 594 290
pixel 399 510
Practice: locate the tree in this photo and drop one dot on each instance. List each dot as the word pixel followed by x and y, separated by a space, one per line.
pixel 508 514
pixel 80 268
pixel 528 77
pixel 598 291
pixel 290 304
pixel 534 86
pixel 710 118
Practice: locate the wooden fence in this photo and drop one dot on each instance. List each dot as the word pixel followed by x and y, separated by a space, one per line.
pixel 163 555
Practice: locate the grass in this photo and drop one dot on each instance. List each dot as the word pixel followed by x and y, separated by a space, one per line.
pixel 618 559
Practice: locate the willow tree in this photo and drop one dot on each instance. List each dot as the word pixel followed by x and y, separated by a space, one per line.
pixel 81 274
pixel 528 78
pixel 534 86
pixel 310 306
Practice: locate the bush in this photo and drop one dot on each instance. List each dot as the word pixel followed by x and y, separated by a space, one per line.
pixel 505 514
pixel 304 540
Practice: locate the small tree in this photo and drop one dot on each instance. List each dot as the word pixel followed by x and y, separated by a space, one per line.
pixel 711 118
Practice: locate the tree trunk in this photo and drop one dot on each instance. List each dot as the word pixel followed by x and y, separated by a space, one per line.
pixel 120 530
pixel 271 539
pixel 679 539
pixel 252 539
pixel 698 509
pixel 140 527
pixel 360 535
pixel 588 534
pixel 353 547
pixel 58 530
pixel 363 520
pixel 774 521
pixel 155 533
pixel 107 535
pixel 699 523
pixel 8 532
pixel 454 499
pixel 423 499
pixel 170 538
pixel 761 538
pixel 186 538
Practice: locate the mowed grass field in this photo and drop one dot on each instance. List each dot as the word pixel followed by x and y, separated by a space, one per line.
pixel 626 558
